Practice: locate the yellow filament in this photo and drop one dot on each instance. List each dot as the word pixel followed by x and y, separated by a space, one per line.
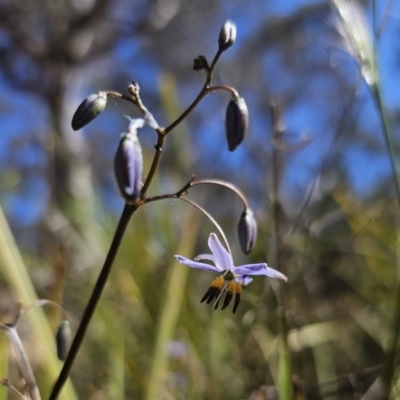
pixel 218 283
pixel 232 287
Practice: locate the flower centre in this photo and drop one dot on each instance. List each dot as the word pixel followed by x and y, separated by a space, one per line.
pixel 229 276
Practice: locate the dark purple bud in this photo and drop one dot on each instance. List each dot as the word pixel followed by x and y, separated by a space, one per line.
pixel 200 63
pixel 247 231
pixel 227 36
pixel 236 122
pixel 89 109
pixel 63 340
pixel 128 166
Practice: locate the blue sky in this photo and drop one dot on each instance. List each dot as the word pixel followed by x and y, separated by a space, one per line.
pixel 25 118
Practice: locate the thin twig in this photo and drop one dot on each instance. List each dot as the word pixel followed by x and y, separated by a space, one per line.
pixel 12 389
pixel 204 92
pixel 209 216
pixel 225 184
pixel 343 383
pixel 156 160
pixel 285 370
pixel 38 303
pixel 120 96
pixel 179 195
pixel 23 363
pixel 193 183
pixel 175 195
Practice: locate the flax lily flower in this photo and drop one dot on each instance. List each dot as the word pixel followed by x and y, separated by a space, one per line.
pixel 232 278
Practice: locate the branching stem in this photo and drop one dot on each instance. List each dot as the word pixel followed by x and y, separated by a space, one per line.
pixel 129 209
pixel 228 185
pixel 180 195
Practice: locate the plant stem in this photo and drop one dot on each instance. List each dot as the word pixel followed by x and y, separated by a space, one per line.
pixel 285 367
pixel 180 195
pixel 23 363
pixel 128 211
pixel 156 160
pixel 209 216
pixel 196 101
pixel 225 184
pixel 94 299
pixel 120 96
pixel 204 92
pixel 387 136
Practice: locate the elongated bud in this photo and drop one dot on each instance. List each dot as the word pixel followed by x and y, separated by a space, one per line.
pixel 247 231
pixel 89 109
pixel 236 122
pixel 63 340
pixel 227 35
pixel 128 166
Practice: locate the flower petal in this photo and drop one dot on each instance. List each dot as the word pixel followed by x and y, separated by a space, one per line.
pixel 223 260
pixel 244 280
pixel 259 269
pixel 208 257
pixel 197 265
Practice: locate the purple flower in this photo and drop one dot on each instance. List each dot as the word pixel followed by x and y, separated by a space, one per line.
pixel 232 278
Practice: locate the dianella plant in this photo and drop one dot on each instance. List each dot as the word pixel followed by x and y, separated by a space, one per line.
pixel 133 183
pixel 332 313
pixel 322 321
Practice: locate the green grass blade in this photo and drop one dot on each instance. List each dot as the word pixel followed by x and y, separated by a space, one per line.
pixel 16 275
pixel 176 283
pixel 285 371
pixel 3 363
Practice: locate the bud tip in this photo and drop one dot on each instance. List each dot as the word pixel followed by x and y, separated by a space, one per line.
pixel 227 35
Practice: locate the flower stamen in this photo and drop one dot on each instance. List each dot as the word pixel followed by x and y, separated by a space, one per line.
pixel 237 297
pixel 214 290
pixel 208 294
pixel 215 306
pixel 227 300
pixel 213 295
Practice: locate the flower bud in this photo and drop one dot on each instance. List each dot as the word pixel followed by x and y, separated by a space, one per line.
pixel 128 166
pixel 236 122
pixel 63 340
pixel 227 36
pixel 89 109
pixel 200 63
pixel 247 231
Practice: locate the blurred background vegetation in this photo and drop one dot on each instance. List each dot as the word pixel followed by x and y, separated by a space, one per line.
pixel 319 180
